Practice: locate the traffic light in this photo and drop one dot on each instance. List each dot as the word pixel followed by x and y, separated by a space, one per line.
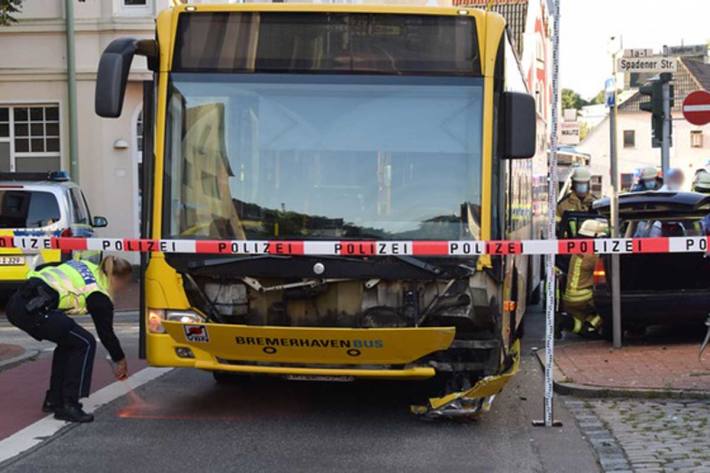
pixel 653 89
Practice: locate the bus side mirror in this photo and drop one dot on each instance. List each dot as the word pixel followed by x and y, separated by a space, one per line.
pixel 112 76
pixel 520 120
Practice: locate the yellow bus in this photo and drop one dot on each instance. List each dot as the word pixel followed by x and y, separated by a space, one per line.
pixel 322 122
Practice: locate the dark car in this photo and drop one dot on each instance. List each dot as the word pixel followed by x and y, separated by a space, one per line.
pixel 663 288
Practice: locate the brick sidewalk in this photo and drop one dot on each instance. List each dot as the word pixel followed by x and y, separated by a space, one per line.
pixel 663 366
pixel 9 351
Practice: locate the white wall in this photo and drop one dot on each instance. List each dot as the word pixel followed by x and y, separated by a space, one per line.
pixel 682 155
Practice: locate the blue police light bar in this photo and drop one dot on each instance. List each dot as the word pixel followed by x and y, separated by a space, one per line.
pixel 59 176
pixel 55 176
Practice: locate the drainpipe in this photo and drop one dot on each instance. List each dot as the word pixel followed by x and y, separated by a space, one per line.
pixel 71 92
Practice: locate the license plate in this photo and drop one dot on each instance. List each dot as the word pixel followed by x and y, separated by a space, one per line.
pixel 336 379
pixel 12 260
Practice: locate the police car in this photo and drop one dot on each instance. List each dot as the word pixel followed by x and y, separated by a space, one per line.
pixel 40 204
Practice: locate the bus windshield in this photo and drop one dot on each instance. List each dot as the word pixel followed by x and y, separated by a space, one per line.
pixel 266 156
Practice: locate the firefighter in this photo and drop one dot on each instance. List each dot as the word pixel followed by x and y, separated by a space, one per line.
pixel 579 198
pixel 42 306
pixel 577 301
pixel 648 180
pixel 701 183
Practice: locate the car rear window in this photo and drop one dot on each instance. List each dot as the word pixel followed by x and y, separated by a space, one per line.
pixel 28 209
pixel 667 227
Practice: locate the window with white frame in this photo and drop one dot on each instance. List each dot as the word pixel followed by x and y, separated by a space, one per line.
pixel 29 138
pixel 696 138
pixel 135 3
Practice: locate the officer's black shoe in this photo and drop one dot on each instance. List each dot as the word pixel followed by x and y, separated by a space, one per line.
pixel 73 413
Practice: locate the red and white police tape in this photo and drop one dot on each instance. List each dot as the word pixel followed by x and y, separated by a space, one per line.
pixel 367 248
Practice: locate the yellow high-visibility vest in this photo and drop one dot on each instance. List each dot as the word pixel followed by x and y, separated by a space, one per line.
pixel 74 281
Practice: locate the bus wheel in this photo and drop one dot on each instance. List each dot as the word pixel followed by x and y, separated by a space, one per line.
pixel 227 377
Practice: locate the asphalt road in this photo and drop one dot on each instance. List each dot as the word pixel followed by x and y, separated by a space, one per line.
pixel 183 421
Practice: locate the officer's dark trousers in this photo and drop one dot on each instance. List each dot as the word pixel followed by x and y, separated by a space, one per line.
pixel 74 356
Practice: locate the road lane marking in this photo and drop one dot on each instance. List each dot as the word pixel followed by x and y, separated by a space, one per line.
pixel 46 427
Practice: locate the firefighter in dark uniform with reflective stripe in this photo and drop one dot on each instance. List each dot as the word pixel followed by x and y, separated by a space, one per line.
pixel 41 307
pixel 580 315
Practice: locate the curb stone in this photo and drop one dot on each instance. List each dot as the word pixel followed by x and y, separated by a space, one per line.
pixel 561 386
pixel 18 360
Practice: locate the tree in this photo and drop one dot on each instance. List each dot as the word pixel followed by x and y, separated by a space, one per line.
pixel 571 99
pixel 599 98
pixel 7 9
pixel 583 130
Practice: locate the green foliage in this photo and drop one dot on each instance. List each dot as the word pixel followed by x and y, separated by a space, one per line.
pixel 583 130
pixel 571 99
pixel 599 98
pixel 7 9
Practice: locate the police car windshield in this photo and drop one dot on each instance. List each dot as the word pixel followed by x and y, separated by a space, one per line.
pixel 323 156
pixel 27 209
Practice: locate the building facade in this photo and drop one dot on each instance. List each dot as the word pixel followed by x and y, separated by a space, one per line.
pixel 34 111
pixel 691 144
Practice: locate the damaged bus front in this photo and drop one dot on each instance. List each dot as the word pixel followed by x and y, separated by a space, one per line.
pixel 291 125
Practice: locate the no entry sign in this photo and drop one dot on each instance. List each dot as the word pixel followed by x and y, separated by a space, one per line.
pixel 696 107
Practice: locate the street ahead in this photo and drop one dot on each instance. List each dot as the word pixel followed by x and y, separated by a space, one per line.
pixel 183 421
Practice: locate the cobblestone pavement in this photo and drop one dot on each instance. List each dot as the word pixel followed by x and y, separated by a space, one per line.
pixel 646 436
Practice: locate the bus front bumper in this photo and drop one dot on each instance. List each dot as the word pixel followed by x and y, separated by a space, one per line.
pixel 324 353
pixel 390 353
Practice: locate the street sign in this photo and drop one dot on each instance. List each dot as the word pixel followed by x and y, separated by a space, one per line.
pixel 569 133
pixel 610 92
pixel 638 52
pixel 696 107
pixel 646 64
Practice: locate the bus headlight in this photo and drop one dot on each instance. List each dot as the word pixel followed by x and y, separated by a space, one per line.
pixel 157 316
pixel 155 320
pixel 185 316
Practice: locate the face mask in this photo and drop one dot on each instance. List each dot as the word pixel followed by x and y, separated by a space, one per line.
pixel 581 188
pixel 650 184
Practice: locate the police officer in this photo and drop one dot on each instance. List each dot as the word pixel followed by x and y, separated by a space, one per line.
pixel 41 307
pixel 577 300
pixel 579 198
pixel 647 180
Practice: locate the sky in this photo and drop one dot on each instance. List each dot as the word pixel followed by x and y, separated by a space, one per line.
pixel 587 25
